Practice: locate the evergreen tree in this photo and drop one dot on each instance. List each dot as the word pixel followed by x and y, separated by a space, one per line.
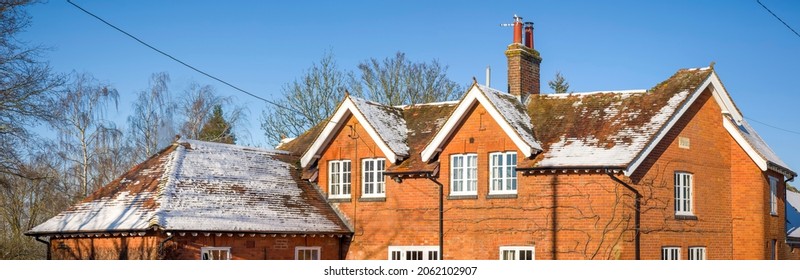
pixel 217 129
pixel 559 84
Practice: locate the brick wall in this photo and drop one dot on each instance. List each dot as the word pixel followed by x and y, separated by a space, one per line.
pixel 708 160
pixel 105 248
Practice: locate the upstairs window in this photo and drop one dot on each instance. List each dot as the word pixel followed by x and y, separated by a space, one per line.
pixel 339 179
pixel 670 253
pixel 464 174
pixel 503 173
pixel 773 195
pixel 517 253
pixel 215 253
pixel 683 194
pixel 372 180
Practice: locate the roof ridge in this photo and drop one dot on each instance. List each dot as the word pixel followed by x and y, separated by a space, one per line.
pixel 166 183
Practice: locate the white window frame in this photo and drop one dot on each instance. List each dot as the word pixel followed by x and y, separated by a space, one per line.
pixel 464 178
pixel 378 181
pixel 773 195
pixel 670 253
pixel 503 176
pixel 315 249
pixel 697 253
pixel 403 253
pixel 516 252
pixel 684 188
pixel 210 250
pixel 337 189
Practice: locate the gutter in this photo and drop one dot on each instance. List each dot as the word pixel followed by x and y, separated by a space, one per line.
pixel 637 217
pixel 45 242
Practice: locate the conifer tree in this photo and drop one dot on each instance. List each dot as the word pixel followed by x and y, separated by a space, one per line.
pixel 217 129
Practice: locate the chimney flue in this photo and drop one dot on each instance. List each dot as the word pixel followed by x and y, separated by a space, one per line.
pixel 523 62
pixel 529 34
pixel 517 29
pixel 488 76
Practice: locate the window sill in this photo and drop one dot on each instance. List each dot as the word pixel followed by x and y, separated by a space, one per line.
pixel 372 199
pixel 460 197
pixel 685 217
pixel 339 200
pixel 773 214
pixel 501 196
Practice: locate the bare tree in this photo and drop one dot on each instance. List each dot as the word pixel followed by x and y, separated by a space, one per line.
pixel 312 98
pixel 27 86
pixel 82 124
pixel 397 81
pixel 151 124
pixel 306 101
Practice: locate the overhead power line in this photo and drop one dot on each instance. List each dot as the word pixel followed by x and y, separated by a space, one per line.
pixel 176 59
pixel 779 19
pixel 775 127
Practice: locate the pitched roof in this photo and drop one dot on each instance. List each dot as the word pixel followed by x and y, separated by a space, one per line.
pixel 759 146
pixel 194 186
pixel 606 129
pixel 793 213
pixel 612 129
pixel 384 124
pixel 505 109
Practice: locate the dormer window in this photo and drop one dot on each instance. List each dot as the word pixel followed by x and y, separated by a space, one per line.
pixel 373 183
pixel 464 174
pixel 339 179
pixel 503 173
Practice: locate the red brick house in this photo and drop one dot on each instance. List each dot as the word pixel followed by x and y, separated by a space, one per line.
pixel 201 200
pixel 673 172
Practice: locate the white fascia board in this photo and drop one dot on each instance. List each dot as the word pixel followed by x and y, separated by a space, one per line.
pixel 734 131
pixel 474 95
pixel 723 99
pixel 665 129
pixel 335 124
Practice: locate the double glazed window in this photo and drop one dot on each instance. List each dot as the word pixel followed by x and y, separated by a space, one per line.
pixel 683 193
pixel 372 180
pixel 464 174
pixel 503 173
pixel 339 179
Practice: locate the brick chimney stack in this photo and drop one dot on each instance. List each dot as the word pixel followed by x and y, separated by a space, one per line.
pixel 523 62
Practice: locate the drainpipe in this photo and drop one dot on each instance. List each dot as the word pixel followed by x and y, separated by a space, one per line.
pixel 638 208
pixel 441 215
pixel 49 256
pixel 161 245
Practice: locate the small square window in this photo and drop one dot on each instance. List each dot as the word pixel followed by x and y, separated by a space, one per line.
pixel 697 253
pixel 215 253
pixel 517 253
pixel 306 253
pixel 670 253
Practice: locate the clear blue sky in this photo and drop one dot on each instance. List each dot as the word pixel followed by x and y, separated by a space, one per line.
pixel 608 45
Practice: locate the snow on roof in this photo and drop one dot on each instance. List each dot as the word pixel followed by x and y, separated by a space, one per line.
pixel 761 147
pixel 625 143
pixel 514 112
pixel 205 186
pixel 387 121
pixel 793 214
